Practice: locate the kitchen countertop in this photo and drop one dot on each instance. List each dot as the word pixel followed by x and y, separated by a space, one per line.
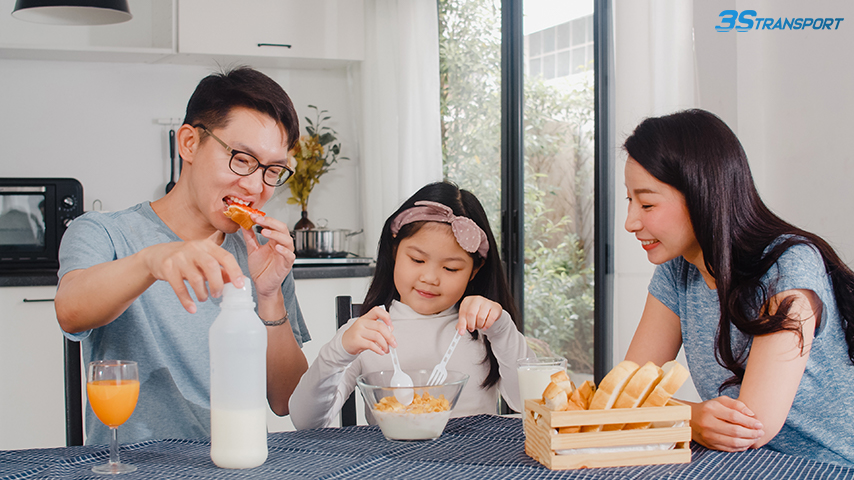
pixel 48 277
pixel 333 271
pixel 29 279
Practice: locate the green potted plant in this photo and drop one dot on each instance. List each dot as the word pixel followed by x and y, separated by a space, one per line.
pixel 314 154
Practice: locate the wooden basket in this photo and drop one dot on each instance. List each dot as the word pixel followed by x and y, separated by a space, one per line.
pixel 542 443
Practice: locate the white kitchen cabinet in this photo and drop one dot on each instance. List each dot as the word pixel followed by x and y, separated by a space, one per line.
pixel 148 36
pixel 317 302
pixel 261 33
pixel 295 29
pixel 32 395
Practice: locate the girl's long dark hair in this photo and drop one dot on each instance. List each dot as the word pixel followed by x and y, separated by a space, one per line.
pixel 696 153
pixel 489 282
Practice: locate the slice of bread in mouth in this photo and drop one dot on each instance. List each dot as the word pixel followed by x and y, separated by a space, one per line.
pixel 240 215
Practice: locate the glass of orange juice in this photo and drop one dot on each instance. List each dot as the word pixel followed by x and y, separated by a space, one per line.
pixel 113 388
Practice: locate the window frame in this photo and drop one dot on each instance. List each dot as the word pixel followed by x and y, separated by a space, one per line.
pixel 513 170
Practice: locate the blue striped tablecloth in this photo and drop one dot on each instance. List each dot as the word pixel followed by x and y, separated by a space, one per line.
pixel 478 447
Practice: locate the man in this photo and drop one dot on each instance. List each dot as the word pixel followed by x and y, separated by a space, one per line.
pixel 144 284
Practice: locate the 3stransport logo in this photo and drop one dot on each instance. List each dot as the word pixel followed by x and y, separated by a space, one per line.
pixel 748 20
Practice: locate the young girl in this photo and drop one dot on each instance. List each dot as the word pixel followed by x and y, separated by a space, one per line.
pixel 762 308
pixel 439 274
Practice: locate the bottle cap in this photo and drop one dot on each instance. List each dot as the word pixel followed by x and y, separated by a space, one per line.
pixel 233 295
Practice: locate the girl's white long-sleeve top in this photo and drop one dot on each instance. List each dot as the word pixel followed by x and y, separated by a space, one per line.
pixel 421 343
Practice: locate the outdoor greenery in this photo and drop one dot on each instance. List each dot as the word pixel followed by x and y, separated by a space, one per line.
pixel 558 172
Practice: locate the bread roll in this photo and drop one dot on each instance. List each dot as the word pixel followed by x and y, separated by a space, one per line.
pixel 574 429
pixel 562 380
pixel 637 390
pixel 610 388
pixel 582 395
pixel 674 376
pixel 555 397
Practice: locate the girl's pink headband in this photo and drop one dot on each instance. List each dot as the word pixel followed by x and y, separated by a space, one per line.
pixel 470 237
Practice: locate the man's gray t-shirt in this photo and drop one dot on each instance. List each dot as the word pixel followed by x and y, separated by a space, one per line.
pixel 819 423
pixel 170 344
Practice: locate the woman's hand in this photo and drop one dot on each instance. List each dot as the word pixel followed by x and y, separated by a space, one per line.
pixel 270 263
pixel 724 424
pixel 477 312
pixel 367 333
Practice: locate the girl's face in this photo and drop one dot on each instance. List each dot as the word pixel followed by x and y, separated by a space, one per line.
pixel 659 218
pixel 431 270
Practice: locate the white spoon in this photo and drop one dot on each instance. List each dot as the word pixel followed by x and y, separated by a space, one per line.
pixel 400 378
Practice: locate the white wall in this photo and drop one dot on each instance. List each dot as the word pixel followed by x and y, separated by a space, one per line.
pixel 786 94
pixel 97 122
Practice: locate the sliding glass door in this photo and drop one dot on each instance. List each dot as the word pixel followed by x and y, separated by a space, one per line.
pixel 518 126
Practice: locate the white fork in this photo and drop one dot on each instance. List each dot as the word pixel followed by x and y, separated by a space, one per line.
pixel 399 378
pixel 440 373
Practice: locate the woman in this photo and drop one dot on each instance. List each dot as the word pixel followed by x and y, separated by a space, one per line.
pixel 762 308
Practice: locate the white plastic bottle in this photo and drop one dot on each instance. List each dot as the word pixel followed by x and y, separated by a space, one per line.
pixel 238 355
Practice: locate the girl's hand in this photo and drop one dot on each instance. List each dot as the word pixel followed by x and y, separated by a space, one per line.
pixel 367 333
pixel 724 424
pixel 477 312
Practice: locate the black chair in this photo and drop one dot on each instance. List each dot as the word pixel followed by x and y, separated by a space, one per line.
pixel 73 394
pixel 345 309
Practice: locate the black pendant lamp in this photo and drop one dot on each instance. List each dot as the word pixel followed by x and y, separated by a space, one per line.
pixel 72 12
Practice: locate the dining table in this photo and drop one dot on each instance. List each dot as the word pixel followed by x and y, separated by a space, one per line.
pixel 475 447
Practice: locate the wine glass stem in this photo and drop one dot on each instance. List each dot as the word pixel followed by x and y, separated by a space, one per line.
pixel 114 445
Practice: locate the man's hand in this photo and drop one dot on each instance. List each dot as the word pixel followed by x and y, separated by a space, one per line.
pixel 202 263
pixel 270 263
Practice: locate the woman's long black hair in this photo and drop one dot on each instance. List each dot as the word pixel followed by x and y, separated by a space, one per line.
pixel 697 154
pixel 489 282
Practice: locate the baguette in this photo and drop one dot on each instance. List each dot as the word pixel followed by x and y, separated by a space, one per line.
pixel 610 388
pixel 637 390
pixel 555 397
pixel 674 376
pixel 562 380
pixel 240 214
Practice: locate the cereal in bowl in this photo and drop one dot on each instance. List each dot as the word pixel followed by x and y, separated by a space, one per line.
pixel 424 403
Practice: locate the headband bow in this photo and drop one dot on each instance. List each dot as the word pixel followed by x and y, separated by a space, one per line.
pixel 470 237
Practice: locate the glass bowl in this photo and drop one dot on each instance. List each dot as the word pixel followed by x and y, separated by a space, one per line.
pixel 425 417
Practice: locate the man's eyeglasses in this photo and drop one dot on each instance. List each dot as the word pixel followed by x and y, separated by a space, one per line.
pixel 245 164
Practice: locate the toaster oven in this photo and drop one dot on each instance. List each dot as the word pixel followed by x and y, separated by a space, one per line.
pixel 34 213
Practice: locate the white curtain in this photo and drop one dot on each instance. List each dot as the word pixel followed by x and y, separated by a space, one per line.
pixel 402 150
pixel 654 74
pixel 654 59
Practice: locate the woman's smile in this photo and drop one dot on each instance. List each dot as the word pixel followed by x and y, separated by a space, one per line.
pixel 649 244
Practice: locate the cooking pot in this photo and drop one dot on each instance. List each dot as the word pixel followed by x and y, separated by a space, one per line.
pixel 322 242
